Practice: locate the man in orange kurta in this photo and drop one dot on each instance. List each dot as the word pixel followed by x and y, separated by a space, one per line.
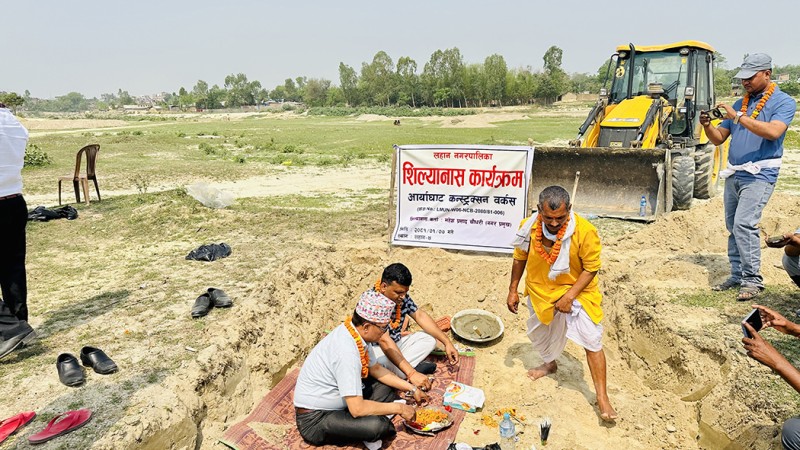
pixel 562 259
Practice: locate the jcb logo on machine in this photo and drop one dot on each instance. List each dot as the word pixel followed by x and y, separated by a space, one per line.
pixel 615 144
pixel 623 119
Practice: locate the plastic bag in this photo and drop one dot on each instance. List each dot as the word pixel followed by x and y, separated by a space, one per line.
pixel 210 196
pixel 462 396
pixel 463 446
pixel 43 214
pixel 210 252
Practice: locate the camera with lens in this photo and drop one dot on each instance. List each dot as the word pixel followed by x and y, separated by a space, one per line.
pixel 717 113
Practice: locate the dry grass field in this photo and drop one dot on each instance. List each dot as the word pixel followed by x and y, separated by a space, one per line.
pixel 309 233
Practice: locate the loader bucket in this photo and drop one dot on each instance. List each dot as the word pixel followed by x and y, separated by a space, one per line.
pixel 612 181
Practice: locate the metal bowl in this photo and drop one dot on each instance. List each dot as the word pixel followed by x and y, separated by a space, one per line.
pixel 477 325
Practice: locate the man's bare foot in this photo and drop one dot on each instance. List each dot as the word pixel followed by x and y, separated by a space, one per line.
pixel 543 370
pixel 607 413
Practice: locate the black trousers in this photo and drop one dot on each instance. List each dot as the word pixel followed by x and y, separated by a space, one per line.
pixel 10 326
pixel 13 284
pixel 339 427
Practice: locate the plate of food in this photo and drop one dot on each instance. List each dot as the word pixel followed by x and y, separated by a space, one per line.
pixel 429 420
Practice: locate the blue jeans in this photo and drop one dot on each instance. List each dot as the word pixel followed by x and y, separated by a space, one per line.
pixel 744 202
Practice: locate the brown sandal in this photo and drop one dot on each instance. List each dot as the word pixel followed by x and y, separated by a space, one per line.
pixel 748 292
pixel 728 284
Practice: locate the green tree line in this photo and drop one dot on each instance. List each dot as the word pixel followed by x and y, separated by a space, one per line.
pixel 445 80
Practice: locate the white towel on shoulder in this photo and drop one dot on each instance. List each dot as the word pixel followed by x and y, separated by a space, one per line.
pixel 522 241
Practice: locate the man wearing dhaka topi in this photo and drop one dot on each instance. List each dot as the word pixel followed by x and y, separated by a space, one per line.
pixel 342 394
pixel 562 259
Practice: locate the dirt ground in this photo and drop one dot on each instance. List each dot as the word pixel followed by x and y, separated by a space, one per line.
pixel 676 374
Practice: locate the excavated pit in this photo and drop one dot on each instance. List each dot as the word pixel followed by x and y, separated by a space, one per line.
pixel 676 374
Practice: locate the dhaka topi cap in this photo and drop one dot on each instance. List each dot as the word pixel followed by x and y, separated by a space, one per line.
pixel 753 64
pixel 375 307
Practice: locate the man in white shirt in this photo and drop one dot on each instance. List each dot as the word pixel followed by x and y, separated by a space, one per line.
pixel 14 329
pixel 342 395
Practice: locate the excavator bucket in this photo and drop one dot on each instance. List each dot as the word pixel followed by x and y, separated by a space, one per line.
pixel 607 181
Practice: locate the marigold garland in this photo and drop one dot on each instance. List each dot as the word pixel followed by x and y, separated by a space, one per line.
pixel 767 94
pixel 537 244
pixel 360 344
pixel 396 322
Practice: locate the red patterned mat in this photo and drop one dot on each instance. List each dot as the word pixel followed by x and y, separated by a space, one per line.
pixel 271 425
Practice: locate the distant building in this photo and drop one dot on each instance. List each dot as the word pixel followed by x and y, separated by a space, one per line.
pixel 570 97
pixel 131 108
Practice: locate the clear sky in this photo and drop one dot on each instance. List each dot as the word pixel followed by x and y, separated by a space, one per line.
pixel 52 47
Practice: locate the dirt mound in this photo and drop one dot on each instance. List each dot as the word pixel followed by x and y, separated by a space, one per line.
pixel 677 374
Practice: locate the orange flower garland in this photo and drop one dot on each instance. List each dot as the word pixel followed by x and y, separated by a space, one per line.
pixel 767 94
pixel 396 322
pixel 361 350
pixel 537 244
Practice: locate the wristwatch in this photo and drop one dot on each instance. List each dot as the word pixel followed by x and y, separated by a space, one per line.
pixel 739 115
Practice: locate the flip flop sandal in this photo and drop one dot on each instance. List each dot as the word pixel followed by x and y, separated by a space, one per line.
pixel 12 424
pixel 61 425
pixel 747 293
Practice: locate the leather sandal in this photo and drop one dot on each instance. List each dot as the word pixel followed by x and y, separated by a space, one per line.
pixel 97 360
pixel 748 292
pixel 219 298
pixel 69 371
pixel 61 425
pixel 201 306
pixel 727 285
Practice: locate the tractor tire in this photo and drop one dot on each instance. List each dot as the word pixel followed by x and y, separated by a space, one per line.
pixel 682 182
pixel 705 183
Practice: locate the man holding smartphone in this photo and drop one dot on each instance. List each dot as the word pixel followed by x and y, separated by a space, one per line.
pixel 763 352
pixel 756 125
pixel 790 242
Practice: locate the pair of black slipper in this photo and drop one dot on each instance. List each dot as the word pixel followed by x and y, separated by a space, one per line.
pixel 213 298
pixel 72 374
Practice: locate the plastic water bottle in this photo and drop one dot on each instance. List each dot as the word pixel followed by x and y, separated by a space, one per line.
pixel 643 206
pixel 507 432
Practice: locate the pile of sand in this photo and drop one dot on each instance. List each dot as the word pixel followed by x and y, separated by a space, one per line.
pixel 676 374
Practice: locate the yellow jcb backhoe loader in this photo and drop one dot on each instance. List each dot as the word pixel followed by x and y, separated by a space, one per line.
pixel 642 138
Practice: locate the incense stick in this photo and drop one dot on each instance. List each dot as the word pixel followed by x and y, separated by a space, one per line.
pixel 544 429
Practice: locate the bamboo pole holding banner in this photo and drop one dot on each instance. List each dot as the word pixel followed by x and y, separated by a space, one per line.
pixel 392 205
pixel 575 187
pixel 530 184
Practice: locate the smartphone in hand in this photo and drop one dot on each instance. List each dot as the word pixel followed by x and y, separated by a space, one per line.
pixel 754 319
pixel 777 241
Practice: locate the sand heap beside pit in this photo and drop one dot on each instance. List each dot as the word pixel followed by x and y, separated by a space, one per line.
pixel 677 373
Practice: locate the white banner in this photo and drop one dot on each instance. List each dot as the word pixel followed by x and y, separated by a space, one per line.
pixel 466 197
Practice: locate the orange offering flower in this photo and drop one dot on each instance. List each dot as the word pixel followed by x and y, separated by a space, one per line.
pixel 767 94
pixel 537 243
pixel 361 350
pixel 426 417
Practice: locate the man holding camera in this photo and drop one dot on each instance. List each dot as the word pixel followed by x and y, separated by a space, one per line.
pixel 763 352
pixel 757 125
